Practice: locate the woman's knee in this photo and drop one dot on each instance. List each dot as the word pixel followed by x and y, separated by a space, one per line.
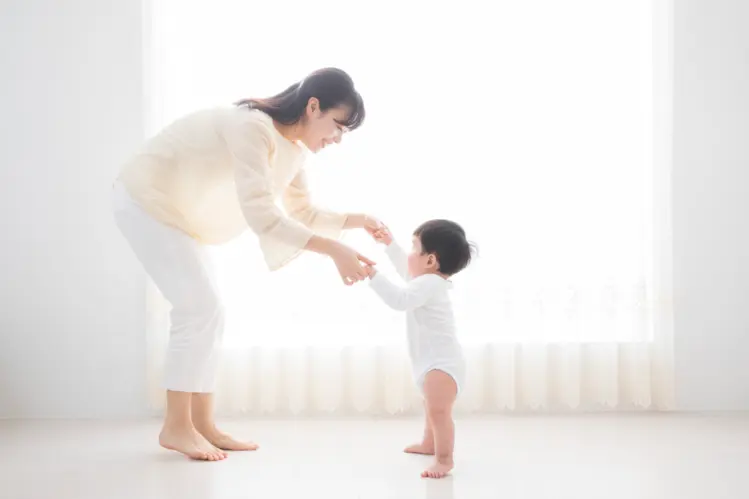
pixel 199 307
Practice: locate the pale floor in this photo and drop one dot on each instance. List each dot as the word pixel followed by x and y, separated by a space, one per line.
pixel 580 457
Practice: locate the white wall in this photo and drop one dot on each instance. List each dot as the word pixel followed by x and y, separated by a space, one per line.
pixel 72 315
pixel 711 203
pixel 71 340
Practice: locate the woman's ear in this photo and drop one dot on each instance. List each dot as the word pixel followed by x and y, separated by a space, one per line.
pixel 313 106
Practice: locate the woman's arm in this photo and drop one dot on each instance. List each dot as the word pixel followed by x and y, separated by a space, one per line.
pixel 281 238
pixel 298 204
pixel 361 221
pixel 250 146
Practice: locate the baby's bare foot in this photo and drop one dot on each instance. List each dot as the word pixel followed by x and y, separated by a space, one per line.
pixel 227 442
pixel 423 448
pixel 437 470
pixel 190 443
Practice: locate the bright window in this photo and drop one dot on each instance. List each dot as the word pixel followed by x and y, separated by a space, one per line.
pixel 530 123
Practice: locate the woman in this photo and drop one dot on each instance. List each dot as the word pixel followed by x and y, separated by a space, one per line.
pixel 203 180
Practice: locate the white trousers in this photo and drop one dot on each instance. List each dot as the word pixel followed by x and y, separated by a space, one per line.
pixel 181 269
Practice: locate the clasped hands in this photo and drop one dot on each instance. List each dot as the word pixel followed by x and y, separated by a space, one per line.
pixel 353 266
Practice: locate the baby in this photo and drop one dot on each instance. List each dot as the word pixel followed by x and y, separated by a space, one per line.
pixel 439 250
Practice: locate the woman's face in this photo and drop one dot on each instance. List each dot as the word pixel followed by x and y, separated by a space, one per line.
pixel 322 128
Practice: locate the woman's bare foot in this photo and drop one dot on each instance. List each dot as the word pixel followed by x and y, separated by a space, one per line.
pixel 190 443
pixel 437 470
pixel 226 442
pixel 426 449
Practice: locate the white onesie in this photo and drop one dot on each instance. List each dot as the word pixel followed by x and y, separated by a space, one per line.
pixel 432 342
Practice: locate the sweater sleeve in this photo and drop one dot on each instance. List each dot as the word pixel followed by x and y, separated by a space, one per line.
pixel 281 238
pixel 298 205
pixel 414 294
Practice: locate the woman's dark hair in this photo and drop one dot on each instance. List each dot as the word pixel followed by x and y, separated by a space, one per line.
pixel 447 241
pixel 331 86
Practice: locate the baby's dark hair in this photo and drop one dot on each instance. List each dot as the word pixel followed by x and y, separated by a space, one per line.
pixel 447 241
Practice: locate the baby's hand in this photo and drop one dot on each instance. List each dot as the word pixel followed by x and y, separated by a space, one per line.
pixel 370 270
pixel 383 236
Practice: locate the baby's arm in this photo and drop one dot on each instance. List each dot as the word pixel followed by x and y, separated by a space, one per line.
pixel 394 252
pixel 399 259
pixel 413 295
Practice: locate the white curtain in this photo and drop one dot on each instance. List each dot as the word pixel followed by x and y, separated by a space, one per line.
pixel 541 126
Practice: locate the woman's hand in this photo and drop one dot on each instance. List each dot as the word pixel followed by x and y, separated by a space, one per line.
pixel 383 235
pixel 366 222
pixel 372 225
pixel 379 232
pixel 350 264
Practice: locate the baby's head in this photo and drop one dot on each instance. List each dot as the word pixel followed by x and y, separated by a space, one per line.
pixel 439 247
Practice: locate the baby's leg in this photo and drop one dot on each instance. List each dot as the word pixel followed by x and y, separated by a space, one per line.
pixel 440 391
pixel 426 446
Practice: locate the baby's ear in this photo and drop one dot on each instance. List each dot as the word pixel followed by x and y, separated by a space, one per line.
pixel 432 261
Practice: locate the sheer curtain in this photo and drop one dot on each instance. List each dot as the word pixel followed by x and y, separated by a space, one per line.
pixel 540 126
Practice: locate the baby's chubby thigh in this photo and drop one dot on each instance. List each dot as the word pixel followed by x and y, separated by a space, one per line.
pixel 439 386
pixel 454 370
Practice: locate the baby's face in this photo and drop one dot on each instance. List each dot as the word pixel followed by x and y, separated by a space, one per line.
pixel 420 263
